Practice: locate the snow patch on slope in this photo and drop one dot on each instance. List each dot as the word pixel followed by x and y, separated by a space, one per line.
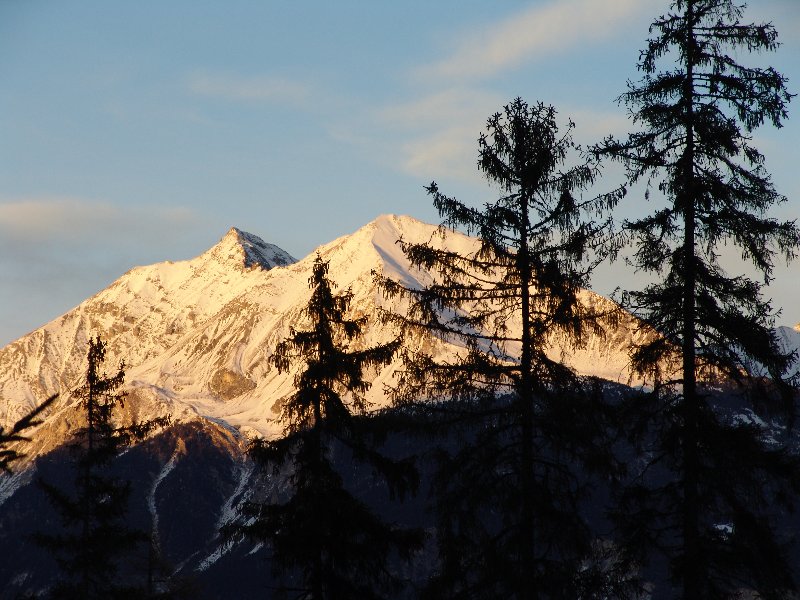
pixel 180 449
pixel 11 483
pixel 228 514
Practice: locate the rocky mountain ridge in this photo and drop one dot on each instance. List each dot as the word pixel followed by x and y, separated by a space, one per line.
pixel 196 336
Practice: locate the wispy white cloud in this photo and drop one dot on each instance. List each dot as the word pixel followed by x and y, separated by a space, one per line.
pixel 436 132
pixel 592 125
pixel 453 105
pixel 535 33
pixel 249 89
pixel 447 153
pixel 440 131
pixel 72 220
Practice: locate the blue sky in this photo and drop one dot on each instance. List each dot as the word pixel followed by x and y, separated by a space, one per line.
pixel 136 132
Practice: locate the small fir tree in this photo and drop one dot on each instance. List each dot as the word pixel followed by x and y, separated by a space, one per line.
pixel 509 499
pixel 696 113
pixel 96 538
pixel 327 544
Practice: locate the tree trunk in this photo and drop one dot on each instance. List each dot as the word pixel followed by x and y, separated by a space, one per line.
pixel 526 590
pixel 317 579
pixel 88 494
pixel 692 570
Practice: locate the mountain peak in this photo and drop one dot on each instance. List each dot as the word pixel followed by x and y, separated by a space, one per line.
pixel 199 332
pixel 249 250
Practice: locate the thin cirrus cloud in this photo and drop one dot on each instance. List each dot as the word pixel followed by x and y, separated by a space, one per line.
pixel 534 33
pixel 450 153
pixel 74 221
pixel 444 128
pixel 591 126
pixel 453 105
pixel 265 89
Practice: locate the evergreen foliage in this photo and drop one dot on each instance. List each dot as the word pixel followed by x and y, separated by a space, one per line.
pixel 14 435
pixel 508 499
pixel 326 543
pixel 696 107
pixel 96 537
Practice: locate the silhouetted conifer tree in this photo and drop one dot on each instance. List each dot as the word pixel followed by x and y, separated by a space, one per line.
pixel 696 106
pixel 509 498
pixel 326 544
pixel 14 435
pixel 96 538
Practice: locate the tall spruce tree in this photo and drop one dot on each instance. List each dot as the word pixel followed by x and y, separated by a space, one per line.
pixel 9 454
pixel 96 538
pixel 509 497
pixel 326 543
pixel 696 107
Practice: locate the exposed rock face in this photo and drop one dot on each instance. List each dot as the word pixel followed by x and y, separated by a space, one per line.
pixel 229 384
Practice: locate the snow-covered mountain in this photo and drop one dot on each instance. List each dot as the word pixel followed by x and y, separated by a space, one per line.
pixel 196 336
